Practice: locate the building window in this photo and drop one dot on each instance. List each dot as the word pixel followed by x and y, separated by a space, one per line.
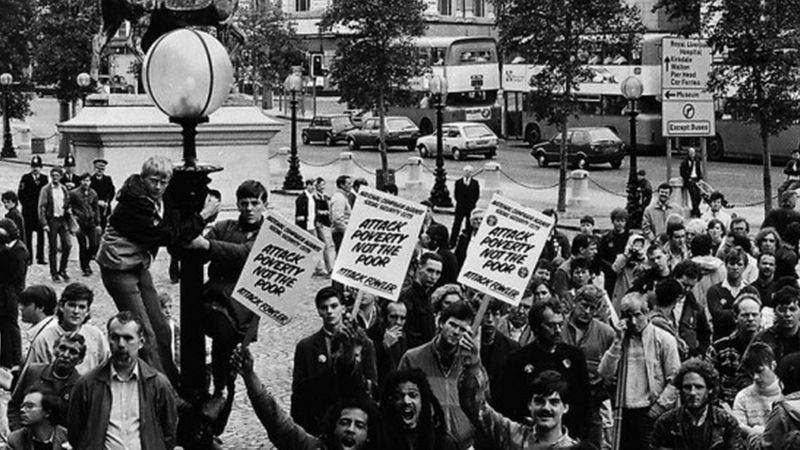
pixel 445 8
pixel 301 5
pixel 479 8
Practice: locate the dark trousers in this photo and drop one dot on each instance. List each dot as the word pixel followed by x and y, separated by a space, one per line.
pixel 31 225
pixel 460 216
pixel 59 231
pixel 133 290
pixel 10 340
pixel 338 236
pixel 224 339
pixel 87 244
pixel 636 429
pixel 694 197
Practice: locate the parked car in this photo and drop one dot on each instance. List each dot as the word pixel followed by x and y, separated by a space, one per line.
pixel 329 129
pixel 460 139
pixel 585 146
pixel 400 131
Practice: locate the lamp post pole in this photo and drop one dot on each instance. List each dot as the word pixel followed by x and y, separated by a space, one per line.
pixel 293 180
pixel 440 196
pixel 8 146
pixel 632 89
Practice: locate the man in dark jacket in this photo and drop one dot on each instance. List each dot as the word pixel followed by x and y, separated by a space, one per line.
pixel 54 217
pixel 13 270
pixel 691 172
pixel 96 412
pixel 388 338
pixel 495 347
pixel 420 327
pixel 226 245
pixel 694 326
pixel 611 245
pixel 29 187
pixel 104 186
pixel 460 252
pixel 86 210
pixel 466 192
pixel 58 377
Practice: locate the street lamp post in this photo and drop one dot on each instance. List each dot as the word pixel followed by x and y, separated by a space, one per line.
pixel 631 89
pixel 8 146
pixel 293 180
pixel 84 80
pixel 440 196
pixel 188 88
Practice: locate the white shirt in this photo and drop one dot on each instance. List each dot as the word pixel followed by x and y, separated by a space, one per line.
pixel 311 215
pixel 58 201
pixel 123 421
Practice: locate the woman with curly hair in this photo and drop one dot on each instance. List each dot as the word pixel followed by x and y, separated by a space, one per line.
pixel 414 418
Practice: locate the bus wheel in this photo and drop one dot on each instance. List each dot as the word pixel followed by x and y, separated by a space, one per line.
pixel 533 134
pixel 425 126
pixel 716 148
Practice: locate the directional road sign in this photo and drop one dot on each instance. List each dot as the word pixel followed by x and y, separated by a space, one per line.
pixel 687 106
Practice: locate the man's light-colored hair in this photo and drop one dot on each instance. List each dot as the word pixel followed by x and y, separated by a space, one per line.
pixel 633 300
pixel 157 165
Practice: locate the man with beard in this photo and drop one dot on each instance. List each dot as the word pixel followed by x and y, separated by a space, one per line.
pixel 351 424
pixel 698 424
pixel 593 337
pixel 441 361
pixel 651 357
pixel 547 406
pixel 784 335
pixel 654 220
pixel 420 326
pixel 414 417
pixel 546 352
pixel 58 377
pixel 765 283
pixel 124 403
pixel 38 430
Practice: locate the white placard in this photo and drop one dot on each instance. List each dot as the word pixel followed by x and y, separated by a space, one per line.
pixel 502 256
pixel 378 243
pixel 278 270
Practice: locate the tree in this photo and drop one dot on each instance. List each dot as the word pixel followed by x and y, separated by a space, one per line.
pixel 685 13
pixel 554 35
pixel 759 42
pixel 15 55
pixel 62 35
pixel 376 58
pixel 271 45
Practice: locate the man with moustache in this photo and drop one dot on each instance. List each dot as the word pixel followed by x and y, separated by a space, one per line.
pixel 124 403
pixel 698 424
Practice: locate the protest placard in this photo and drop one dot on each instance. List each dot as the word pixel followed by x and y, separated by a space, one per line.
pixel 378 243
pixel 278 269
pixel 502 256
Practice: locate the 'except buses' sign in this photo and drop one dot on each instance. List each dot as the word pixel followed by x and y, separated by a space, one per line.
pixel 687 108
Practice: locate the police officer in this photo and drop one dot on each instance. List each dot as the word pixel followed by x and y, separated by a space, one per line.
pixel 28 193
pixel 70 180
pixel 104 187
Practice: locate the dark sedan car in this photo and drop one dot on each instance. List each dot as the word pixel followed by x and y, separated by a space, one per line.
pixel 585 146
pixel 400 131
pixel 328 129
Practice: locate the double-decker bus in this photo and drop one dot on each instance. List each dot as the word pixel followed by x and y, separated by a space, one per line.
pixel 471 69
pixel 601 104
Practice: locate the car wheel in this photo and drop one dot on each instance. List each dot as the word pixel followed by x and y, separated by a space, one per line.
pixel 424 152
pixel 581 163
pixel 716 148
pixel 457 154
pixel 616 164
pixel 490 155
pixel 305 139
pixel 329 140
pixel 411 147
pixel 352 145
pixel 541 160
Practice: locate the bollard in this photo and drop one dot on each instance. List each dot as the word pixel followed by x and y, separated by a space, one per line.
pixel 279 164
pixel 346 164
pixel 23 139
pixel 578 187
pixel 677 186
pixel 414 172
pixel 491 177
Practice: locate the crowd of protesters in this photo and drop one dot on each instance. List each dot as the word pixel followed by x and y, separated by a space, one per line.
pixel 682 335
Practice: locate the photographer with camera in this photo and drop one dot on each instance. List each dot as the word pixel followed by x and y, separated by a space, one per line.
pixel 627 266
pixel 644 358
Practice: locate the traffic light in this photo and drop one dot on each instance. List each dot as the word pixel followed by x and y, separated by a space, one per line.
pixel 317 70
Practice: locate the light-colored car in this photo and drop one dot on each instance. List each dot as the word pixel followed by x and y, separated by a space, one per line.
pixel 461 139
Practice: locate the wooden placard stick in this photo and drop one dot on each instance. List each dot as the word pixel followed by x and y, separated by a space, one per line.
pixel 485 299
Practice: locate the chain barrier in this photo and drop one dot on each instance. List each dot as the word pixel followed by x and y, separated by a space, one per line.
pixel 334 161
pixel 360 166
pixel 747 205
pixel 605 189
pixel 528 186
pixel 403 166
pixel 432 171
pixel 273 156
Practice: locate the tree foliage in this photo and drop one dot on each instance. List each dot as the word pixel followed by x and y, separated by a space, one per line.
pixel 686 13
pixel 15 54
pixel 554 35
pixel 271 45
pixel 376 58
pixel 62 43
